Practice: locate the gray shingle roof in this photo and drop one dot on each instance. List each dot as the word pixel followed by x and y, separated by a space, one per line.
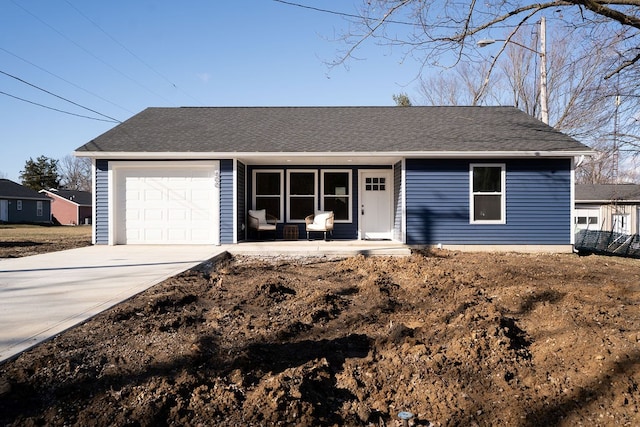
pixel 607 192
pixel 332 129
pixel 13 190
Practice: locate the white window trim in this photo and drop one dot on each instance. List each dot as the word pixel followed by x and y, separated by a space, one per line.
pixel 621 223
pixel 254 188
pixel 18 205
pixel 289 195
pixel 348 196
pixel 503 193
pixel 39 208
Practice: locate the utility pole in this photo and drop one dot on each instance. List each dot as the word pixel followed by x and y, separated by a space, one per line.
pixel 544 103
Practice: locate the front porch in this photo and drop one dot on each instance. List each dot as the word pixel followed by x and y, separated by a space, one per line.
pixel 320 248
pixel 364 197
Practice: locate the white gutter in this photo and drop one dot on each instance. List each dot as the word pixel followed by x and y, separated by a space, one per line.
pixel 332 154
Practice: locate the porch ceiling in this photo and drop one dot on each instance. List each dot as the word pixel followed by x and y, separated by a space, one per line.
pixel 324 159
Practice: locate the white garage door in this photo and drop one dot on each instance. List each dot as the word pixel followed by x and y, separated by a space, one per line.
pixel 167 205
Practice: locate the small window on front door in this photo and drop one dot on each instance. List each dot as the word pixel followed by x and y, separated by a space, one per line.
pixel 375 184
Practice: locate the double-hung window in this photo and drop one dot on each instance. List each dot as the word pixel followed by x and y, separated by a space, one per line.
pixel 268 191
pixel 302 194
pixel 487 199
pixel 336 194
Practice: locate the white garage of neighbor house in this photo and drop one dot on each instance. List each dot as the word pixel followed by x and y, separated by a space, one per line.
pixel 453 177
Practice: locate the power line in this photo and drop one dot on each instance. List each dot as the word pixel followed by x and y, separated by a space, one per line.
pixel 88 52
pixel 66 81
pixel 58 96
pixel 56 109
pixel 367 18
pixel 333 12
pixel 162 76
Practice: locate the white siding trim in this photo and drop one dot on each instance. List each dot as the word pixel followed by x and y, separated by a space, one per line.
pixel 403 194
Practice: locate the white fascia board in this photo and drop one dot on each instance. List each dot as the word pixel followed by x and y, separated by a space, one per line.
pixel 610 201
pixel 333 154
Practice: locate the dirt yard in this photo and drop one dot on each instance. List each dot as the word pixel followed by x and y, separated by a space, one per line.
pixel 454 338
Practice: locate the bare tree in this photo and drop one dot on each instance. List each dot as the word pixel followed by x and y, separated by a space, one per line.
pixel 581 102
pixel 75 173
pixel 597 169
pixel 461 85
pixel 432 30
pixel 445 33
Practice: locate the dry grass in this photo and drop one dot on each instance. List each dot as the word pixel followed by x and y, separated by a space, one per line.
pixel 18 240
pixel 10 232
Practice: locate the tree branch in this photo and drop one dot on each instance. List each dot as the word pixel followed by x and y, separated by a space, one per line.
pixel 381 22
pixel 598 7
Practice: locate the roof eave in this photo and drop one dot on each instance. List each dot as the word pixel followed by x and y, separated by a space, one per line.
pixel 43 199
pixel 608 201
pixel 119 155
pixel 58 197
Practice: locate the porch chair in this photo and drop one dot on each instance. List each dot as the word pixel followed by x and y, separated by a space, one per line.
pixel 260 220
pixel 319 222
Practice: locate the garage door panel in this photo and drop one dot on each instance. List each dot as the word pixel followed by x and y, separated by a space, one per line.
pixel 169 205
pixel 152 235
pixel 152 195
pixel 132 215
pixel 153 215
pixel 134 235
pixel 175 235
pixel 177 214
pixel 132 193
pixel 200 215
pixel 178 195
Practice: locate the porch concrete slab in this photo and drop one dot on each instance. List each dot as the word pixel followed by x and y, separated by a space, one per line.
pixel 43 295
pixel 321 248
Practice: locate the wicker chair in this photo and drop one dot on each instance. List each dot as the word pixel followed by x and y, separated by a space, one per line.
pixel 320 222
pixel 260 221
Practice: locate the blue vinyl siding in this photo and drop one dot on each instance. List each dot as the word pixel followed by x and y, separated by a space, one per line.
pixel 241 192
pixel 226 201
pixel 538 203
pixel 101 200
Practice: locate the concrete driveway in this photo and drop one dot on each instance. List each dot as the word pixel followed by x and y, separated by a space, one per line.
pixel 42 295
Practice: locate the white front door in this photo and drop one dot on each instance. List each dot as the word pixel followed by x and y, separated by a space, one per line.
pixel 376 195
pixel 4 210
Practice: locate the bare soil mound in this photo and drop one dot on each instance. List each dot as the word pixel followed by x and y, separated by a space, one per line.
pixel 454 338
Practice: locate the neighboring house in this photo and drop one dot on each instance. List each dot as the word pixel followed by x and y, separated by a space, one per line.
pixel 607 207
pixel 455 177
pixel 19 204
pixel 70 207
